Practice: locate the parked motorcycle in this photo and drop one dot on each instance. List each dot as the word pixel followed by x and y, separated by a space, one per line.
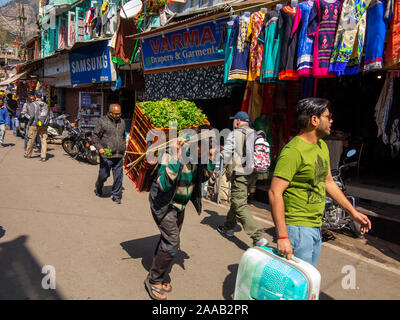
pixel 79 144
pixel 335 218
pixel 57 128
pixel 22 123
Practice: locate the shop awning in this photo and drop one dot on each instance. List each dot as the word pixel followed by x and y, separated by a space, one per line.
pixel 15 77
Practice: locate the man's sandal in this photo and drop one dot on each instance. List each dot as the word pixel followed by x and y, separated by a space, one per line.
pixel 167 284
pixel 150 288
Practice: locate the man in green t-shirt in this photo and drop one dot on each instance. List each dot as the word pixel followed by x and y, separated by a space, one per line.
pixel 301 179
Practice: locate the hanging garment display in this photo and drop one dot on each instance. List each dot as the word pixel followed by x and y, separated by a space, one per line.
pixel 226 45
pixel 322 25
pixel 272 43
pixel 392 129
pixel 288 61
pixel 375 37
pixel 306 43
pixel 392 53
pixel 240 61
pixel 383 106
pixel 256 47
pixel 349 40
pixel 256 100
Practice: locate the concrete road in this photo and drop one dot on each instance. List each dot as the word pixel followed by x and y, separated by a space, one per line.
pixel 56 232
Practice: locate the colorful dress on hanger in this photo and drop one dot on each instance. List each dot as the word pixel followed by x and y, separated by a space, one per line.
pixel 240 62
pixel 272 44
pixel 256 47
pixel 392 53
pixel 375 37
pixel 228 51
pixel 322 25
pixel 288 62
pixel 349 41
pixel 306 43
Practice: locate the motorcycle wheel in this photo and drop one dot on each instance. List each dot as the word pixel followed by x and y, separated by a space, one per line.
pixel 356 229
pixel 70 147
pixel 92 157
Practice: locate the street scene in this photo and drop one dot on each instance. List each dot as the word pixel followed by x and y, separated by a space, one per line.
pixel 100 250
pixel 199 150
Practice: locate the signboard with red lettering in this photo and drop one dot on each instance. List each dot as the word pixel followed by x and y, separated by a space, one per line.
pixel 189 46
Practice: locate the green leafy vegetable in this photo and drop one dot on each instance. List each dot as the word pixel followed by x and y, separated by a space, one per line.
pixel 165 112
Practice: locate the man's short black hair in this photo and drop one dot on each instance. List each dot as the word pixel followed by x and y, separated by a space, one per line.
pixel 306 108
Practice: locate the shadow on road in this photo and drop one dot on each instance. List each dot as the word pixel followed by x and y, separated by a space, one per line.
pixel 21 275
pixel 144 248
pixel 214 220
pixel 228 287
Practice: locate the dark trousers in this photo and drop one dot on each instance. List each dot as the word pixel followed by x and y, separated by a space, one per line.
pixel 167 247
pixel 104 172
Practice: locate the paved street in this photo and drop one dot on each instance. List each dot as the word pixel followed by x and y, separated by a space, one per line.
pixel 101 250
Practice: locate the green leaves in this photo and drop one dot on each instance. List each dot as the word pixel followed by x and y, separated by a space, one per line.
pixel 183 112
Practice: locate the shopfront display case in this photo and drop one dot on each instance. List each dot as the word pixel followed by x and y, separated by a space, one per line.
pixel 90 109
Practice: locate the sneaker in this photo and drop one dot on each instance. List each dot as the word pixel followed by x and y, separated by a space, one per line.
pixel 260 243
pixel 43 159
pixel 227 233
pixel 26 156
pixel 116 200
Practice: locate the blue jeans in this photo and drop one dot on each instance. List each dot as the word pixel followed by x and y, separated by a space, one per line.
pixel 306 243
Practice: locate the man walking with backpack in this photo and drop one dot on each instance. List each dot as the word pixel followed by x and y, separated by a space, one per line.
pixel 39 118
pixel 238 152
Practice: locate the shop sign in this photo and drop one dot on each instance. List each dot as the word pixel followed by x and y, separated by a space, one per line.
pixel 90 64
pixel 189 46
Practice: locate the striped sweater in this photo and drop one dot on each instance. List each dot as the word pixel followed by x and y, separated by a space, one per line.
pixel 168 173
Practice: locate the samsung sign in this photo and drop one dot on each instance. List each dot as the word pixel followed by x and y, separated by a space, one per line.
pixel 90 64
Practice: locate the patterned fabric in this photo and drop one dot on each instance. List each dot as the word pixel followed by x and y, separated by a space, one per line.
pixel 288 61
pixel 240 62
pixel 168 173
pixel 322 25
pixel 306 43
pixel 256 47
pixel 189 84
pixel 392 53
pixel 375 38
pixel 349 41
pixel 271 40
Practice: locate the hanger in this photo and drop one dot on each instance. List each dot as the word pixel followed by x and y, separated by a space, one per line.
pixel 294 4
pixel 264 10
pixel 247 14
pixel 278 6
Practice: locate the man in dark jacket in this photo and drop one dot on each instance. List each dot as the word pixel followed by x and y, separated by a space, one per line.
pixel 109 139
pixel 176 183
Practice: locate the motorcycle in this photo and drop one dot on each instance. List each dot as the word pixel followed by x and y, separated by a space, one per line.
pixel 57 128
pixel 334 217
pixel 79 144
pixel 22 123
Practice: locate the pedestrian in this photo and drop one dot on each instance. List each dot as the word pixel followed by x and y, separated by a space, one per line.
pixel 39 118
pixel 176 183
pixel 301 179
pixel 242 180
pixel 3 121
pixel 109 139
pixel 12 106
pixel 27 109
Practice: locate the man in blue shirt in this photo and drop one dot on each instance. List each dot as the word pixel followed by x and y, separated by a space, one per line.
pixel 3 121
